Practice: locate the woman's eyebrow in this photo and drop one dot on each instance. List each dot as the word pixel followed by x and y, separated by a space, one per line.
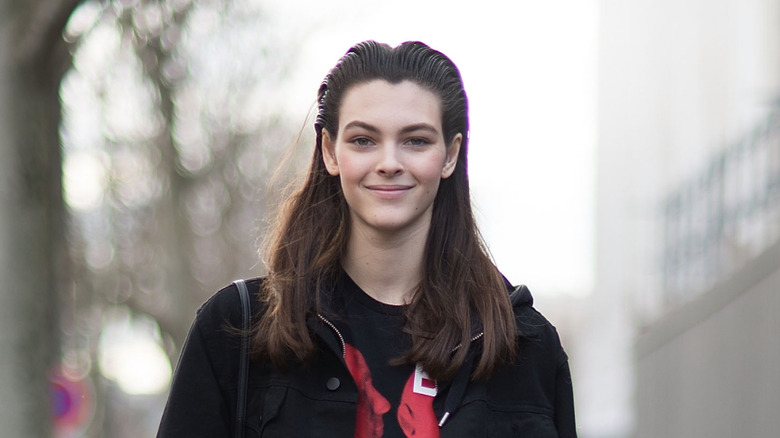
pixel 419 127
pixel 361 125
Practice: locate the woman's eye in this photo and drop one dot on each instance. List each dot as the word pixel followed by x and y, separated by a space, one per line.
pixel 362 141
pixel 417 141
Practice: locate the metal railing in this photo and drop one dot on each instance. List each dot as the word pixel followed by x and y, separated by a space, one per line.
pixel 728 214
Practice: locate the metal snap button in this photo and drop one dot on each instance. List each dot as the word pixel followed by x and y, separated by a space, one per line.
pixel 333 383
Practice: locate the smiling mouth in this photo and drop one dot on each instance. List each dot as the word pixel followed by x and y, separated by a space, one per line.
pixel 389 191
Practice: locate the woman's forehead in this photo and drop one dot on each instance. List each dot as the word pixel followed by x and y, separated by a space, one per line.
pixel 380 102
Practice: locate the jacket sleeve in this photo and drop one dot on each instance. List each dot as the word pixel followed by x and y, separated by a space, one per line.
pixel 197 404
pixel 564 400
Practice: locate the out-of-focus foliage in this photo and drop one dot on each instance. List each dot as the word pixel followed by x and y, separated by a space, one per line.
pixel 169 134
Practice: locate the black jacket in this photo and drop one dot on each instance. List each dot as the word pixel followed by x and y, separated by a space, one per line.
pixel 530 398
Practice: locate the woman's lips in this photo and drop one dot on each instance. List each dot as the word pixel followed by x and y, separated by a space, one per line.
pixel 387 191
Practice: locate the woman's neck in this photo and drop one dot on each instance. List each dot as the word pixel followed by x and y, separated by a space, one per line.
pixel 388 267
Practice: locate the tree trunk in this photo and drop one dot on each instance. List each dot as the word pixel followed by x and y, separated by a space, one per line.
pixel 33 57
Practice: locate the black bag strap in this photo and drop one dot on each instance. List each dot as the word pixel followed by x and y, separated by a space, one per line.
pixel 243 365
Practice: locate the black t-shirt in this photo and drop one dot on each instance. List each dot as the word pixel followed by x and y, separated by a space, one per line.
pixel 374 337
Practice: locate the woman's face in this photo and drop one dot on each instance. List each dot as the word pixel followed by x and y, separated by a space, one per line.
pixel 390 155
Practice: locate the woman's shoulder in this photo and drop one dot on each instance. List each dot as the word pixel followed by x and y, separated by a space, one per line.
pixel 532 325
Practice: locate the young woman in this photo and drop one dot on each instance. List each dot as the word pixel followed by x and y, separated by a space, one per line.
pixel 382 314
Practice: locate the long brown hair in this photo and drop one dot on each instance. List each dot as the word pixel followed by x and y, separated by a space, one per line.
pixel 461 286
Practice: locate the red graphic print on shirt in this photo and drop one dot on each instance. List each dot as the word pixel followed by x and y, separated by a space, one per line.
pixel 371 404
pixel 415 413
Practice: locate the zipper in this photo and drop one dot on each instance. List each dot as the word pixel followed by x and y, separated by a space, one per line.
pixel 338 333
pixel 474 338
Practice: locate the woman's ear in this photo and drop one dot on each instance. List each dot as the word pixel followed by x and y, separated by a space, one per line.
pixel 329 154
pixel 451 161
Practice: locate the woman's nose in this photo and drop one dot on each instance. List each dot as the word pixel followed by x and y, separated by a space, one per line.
pixel 389 163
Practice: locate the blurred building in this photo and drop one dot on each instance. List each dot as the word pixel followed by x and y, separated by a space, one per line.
pixel 683 333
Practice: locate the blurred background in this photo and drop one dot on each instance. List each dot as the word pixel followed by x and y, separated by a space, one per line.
pixel 625 165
